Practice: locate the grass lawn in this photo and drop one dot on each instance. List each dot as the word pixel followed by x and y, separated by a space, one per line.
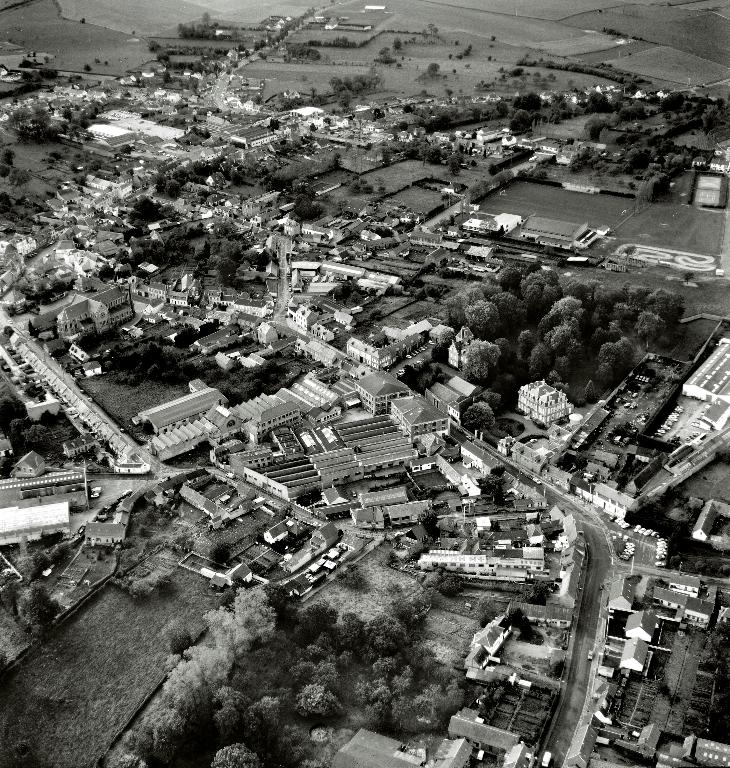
pixel 12 638
pixel 122 401
pixel 382 585
pixel 70 696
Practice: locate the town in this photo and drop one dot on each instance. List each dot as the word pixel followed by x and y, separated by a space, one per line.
pixel 364 390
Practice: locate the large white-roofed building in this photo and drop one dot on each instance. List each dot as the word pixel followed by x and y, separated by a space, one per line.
pixel 31 523
pixel 711 381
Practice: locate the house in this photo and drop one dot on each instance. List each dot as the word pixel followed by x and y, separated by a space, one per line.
pixel 378 391
pixel 712 513
pixel 467 724
pixel 457 350
pixel 543 404
pixel 266 334
pixel 416 416
pixel 79 446
pixel 91 368
pixel 641 625
pixel 452 397
pixel 105 534
pixel 581 747
pixel 634 655
pixel 277 533
pixel 474 457
pixel 30 465
pixel 452 753
pixel 686 584
pixel 621 596
pixel 711 753
pixel 371 750
pixel 324 538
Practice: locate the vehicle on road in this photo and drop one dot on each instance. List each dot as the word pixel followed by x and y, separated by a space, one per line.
pixel 95 492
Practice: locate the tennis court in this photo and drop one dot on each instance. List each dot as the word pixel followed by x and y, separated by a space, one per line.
pixel 710 191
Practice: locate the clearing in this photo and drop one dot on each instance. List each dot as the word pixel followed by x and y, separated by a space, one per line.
pixel 85 681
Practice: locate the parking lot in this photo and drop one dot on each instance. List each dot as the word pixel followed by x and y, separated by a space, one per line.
pixel 683 423
pixel 637 548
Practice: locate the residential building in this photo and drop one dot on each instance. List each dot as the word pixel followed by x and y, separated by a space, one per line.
pixel 457 350
pixel 415 416
pixel 79 446
pixel 621 596
pixel 31 464
pixel 641 626
pixel 686 584
pixel 468 725
pixel 452 397
pixel 502 564
pixel 634 655
pixel 543 404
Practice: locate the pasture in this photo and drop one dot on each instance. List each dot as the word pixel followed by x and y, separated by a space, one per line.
pixel 39 26
pixel 69 697
pixel 701 33
pixel 280 77
pixel 527 199
pixel 671 65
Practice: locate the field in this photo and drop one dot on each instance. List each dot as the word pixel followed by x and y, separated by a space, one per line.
pixel 122 402
pixel 164 15
pixel 70 696
pixel 12 637
pixel 675 226
pixel 38 26
pixel 590 42
pixel 663 63
pixel 525 199
pixel 280 77
pixel 383 583
pixel 700 33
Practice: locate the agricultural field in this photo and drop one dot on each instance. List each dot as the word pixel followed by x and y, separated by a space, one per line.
pixel 702 33
pixel 575 46
pixel 86 680
pixel 70 44
pixel 663 63
pixel 280 77
pixel 525 199
pixel 132 15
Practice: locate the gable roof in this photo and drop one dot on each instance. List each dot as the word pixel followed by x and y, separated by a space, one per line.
pixel 371 750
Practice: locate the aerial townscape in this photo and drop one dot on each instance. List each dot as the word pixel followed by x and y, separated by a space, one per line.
pixel 364 384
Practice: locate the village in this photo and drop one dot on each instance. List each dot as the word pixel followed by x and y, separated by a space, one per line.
pixel 364 379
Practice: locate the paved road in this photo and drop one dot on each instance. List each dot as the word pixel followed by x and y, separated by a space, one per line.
pixel 598 565
pixel 284 292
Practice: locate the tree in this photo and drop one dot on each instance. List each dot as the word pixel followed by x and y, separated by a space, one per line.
pixel 251 620
pixel 590 392
pixel 235 756
pixel 478 417
pixel 481 358
pixel 179 638
pixel 482 317
pixel 36 434
pixel 19 177
pixel 8 156
pixel 430 521
pixel 315 699
pixel 229 713
pixel 39 608
pixel 540 361
pixel 397 44
pixel 432 70
pixel 649 327
pixel 220 553
pixel 454 163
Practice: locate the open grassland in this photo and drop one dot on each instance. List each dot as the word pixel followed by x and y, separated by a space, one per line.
pixel 701 33
pixel 69 697
pixel 280 77
pixel 39 27
pixel 663 63
pixel 588 43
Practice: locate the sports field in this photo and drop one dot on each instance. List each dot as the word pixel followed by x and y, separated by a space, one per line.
pixel 709 191
pixel 527 199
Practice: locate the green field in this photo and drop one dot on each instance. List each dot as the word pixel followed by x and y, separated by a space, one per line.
pixel 663 63
pixel 68 698
pixel 39 27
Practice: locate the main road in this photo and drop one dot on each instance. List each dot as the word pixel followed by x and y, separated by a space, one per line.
pixel 597 567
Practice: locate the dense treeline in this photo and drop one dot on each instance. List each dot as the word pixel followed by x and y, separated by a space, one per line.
pixel 270 670
pixel 528 327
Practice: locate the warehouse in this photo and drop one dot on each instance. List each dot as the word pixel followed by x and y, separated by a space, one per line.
pixel 711 381
pixel 31 523
pixel 553 232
